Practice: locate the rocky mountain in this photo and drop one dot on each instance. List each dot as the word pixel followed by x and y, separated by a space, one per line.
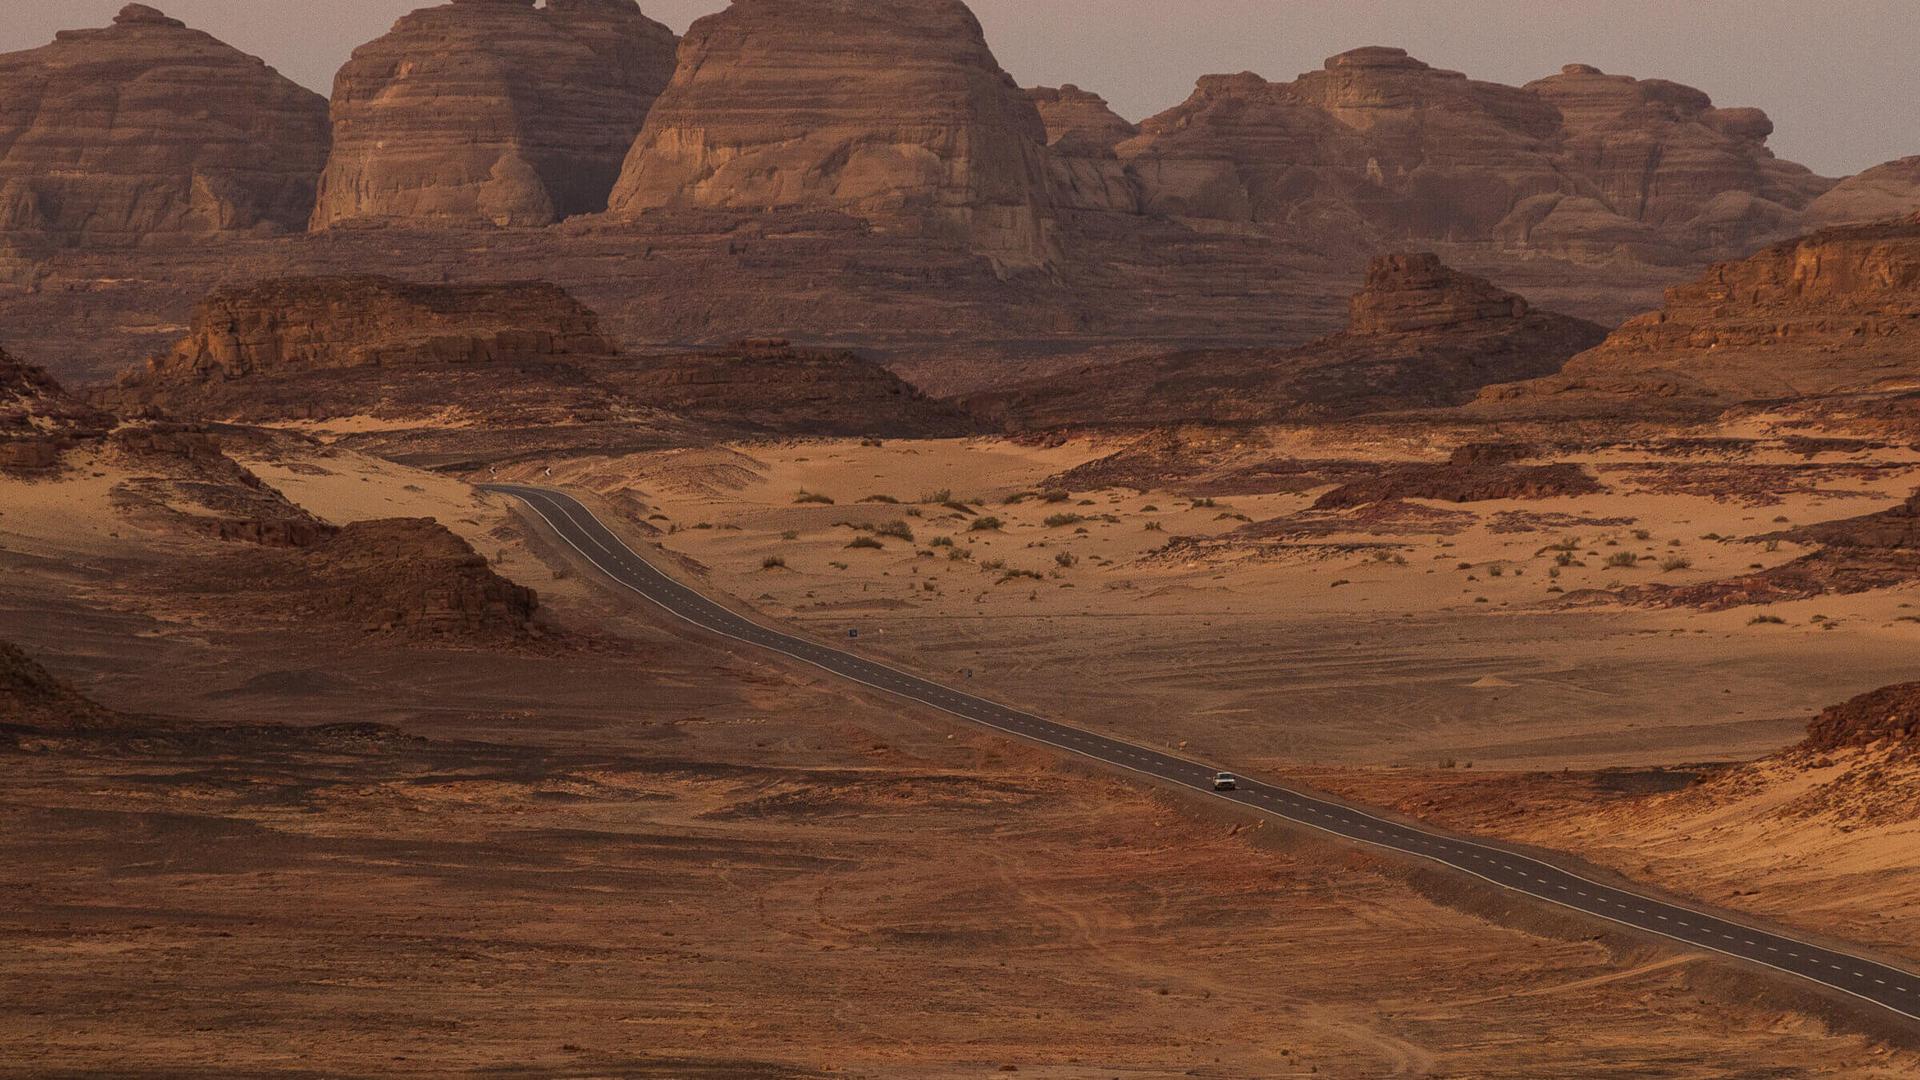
pixel 1583 164
pixel 146 130
pixel 1889 716
pixel 892 111
pixel 1420 334
pixel 1834 312
pixel 492 112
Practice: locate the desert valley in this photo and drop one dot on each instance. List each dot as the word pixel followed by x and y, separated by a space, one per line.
pixel 1532 466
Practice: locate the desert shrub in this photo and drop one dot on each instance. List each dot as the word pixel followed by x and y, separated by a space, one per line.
pixel 887 499
pixel 1676 564
pixel 1019 497
pixel 941 541
pixel 773 562
pixel 1061 521
pixel 993 564
pixel 1055 495
pixel 1204 504
pixel 959 554
pixel 1065 560
pixel 1154 526
pixel 813 497
pixel 899 530
pixel 1624 560
pixel 985 524
pixel 1149 509
pixel 1338 582
pixel 960 508
pixel 1642 534
pixel 1016 575
pixel 935 498
pixel 1766 620
pixel 866 543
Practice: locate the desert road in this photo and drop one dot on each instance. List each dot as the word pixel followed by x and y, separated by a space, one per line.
pixel 1889 988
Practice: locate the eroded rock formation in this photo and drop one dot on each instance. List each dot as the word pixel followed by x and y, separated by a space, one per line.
pixel 1420 335
pixel 1889 715
pixel 1881 193
pixel 1583 164
pixel 1834 312
pixel 146 130
pixel 312 324
pixel 39 420
pixel 1083 135
pixel 492 112
pixel 894 111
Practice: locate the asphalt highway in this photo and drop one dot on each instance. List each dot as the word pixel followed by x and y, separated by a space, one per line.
pixel 1890 988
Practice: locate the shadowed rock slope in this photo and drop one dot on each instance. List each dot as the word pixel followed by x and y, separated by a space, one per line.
pixel 145 131
pixel 1419 335
pixel 492 112
pixel 39 420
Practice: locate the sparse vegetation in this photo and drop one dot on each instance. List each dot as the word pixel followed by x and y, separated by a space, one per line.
pixel 887 499
pixel 1766 620
pixel 1066 560
pixel 773 562
pixel 1154 526
pixel 866 543
pixel 812 497
pixel 1055 495
pixel 1675 565
pixel 937 498
pixel 985 524
pixel 897 529
pixel 1623 560
pixel 941 542
pixel 1061 521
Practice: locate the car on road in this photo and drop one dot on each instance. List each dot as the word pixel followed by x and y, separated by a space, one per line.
pixel 1225 781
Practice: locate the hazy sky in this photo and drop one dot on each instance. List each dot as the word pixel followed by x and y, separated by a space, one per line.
pixel 1838 76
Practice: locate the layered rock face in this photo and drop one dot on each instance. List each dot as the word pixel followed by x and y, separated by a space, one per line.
pixel 1083 135
pixel 1376 140
pixel 1584 164
pixel 146 130
pixel 1881 193
pixel 317 324
pixel 494 112
pixel 1411 294
pixel 890 110
pixel 1889 715
pixel 1834 312
pixel 1661 168
pixel 1421 335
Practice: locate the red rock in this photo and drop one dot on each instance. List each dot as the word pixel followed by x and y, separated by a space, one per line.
pixel 492 112
pixel 1881 193
pixel 1410 294
pixel 39 419
pixel 892 111
pixel 1890 714
pixel 146 130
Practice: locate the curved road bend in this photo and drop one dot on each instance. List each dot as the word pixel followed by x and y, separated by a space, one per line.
pixel 1890 988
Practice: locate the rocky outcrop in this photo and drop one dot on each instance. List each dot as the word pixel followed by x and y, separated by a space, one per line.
pixel 1831 313
pixel 1380 145
pixel 492 112
pixel 1881 193
pixel 1463 484
pixel 413 578
pixel 31 697
pixel 1420 335
pixel 147 131
pixel 771 386
pixel 39 420
pixel 1890 715
pixel 1418 294
pixel 893 111
pixel 315 324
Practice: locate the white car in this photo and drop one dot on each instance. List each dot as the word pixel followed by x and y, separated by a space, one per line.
pixel 1225 781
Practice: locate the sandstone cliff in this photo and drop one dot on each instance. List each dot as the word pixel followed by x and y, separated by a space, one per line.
pixel 893 111
pixel 1834 312
pixel 492 112
pixel 1583 165
pixel 309 324
pixel 146 130
pixel 1420 335
pixel 1083 135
